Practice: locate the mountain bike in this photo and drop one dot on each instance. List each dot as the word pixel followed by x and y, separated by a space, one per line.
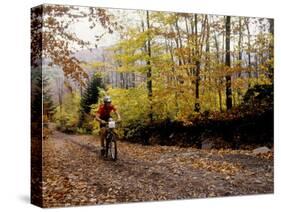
pixel 110 140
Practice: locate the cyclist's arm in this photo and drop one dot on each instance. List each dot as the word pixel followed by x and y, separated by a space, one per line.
pixel 118 115
pixel 99 119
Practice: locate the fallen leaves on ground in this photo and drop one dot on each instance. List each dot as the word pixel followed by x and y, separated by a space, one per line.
pixel 216 166
pixel 75 174
pixel 268 155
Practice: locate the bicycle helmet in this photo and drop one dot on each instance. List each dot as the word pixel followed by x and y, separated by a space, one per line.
pixel 107 99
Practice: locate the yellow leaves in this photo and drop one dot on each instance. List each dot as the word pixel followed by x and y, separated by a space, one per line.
pixel 67 115
pixel 216 166
pixel 268 155
pixel 134 40
pixel 127 59
pixel 207 163
pixel 263 67
pixel 96 65
pixel 132 103
pixel 240 83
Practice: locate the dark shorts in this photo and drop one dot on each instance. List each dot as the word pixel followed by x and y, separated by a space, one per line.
pixel 102 125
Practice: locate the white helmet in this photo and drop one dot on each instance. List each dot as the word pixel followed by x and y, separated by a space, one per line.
pixel 107 99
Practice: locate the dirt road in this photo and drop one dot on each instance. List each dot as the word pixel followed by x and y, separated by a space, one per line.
pixel 75 174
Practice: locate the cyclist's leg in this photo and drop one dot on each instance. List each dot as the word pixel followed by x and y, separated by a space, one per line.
pixel 102 136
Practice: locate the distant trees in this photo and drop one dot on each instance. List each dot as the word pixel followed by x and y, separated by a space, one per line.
pixel 57 42
pixel 36 96
pixel 176 65
pixel 89 97
pixel 41 100
pixel 48 104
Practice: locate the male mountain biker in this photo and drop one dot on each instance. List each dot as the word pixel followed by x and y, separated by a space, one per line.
pixel 103 114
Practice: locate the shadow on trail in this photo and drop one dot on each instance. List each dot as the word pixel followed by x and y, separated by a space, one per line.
pixel 124 163
pixel 89 147
pixel 96 149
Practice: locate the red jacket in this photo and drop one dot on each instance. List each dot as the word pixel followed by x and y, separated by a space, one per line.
pixel 104 112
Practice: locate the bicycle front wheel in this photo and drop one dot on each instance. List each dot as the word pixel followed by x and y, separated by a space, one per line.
pixel 112 149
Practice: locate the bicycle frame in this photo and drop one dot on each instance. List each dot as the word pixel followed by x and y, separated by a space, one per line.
pixel 110 142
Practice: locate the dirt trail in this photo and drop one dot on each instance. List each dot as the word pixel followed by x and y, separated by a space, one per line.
pixel 75 174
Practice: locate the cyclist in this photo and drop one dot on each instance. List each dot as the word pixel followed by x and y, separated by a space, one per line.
pixel 103 114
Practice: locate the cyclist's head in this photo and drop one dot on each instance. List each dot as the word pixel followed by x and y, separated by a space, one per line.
pixel 107 100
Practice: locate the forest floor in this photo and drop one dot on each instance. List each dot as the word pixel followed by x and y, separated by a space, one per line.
pixel 75 174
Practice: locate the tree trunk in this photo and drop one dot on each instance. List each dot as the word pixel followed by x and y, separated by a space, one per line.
pixel 149 71
pixel 219 81
pixel 239 46
pixel 207 56
pixel 197 72
pixel 174 78
pixel 60 87
pixel 271 48
pixel 179 43
pixel 249 53
pixel 220 99
pixel 240 61
pixel 188 39
pixel 227 64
